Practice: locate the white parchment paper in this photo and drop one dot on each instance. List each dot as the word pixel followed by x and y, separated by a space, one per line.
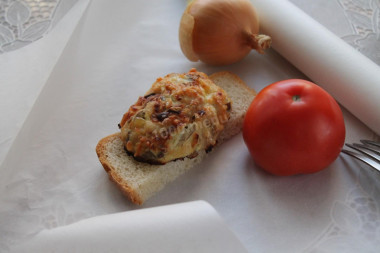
pixel 52 178
pixel 25 71
pixel 186 227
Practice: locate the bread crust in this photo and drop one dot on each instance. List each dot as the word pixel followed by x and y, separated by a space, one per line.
pixel 240 83
pixel 103 153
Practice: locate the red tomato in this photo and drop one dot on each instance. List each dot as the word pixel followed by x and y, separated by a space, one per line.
pixel 294 127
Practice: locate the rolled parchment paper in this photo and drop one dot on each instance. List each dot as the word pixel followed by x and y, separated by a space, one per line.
pixel 185 227
pixel 350 77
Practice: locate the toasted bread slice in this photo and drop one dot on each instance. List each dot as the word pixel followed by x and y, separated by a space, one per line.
pixel 140 181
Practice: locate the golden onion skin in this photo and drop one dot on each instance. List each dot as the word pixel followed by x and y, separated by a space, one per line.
pixel 219 32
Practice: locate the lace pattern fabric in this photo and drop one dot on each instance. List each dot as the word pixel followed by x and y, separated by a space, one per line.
pixel 364 19
pixel 25 21
pixel 354 221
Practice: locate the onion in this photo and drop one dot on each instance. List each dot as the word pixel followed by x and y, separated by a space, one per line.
pixel 220 32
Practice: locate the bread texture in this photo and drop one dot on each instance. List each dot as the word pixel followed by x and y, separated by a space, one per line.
pixel 139 181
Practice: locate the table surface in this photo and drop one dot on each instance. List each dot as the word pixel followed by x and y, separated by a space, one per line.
pixel 345 213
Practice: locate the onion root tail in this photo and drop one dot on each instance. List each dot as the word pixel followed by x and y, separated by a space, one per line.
pixel 260 42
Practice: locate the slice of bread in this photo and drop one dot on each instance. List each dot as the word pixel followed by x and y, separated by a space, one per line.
pixel 139 181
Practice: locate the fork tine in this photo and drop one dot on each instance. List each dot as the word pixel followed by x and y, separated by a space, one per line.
pixel 369 152
pixel 363 158
pixel 372 144
pixel 367 147
pixel 364 151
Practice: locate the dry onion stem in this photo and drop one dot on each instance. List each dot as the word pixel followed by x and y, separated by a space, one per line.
pixel 220 32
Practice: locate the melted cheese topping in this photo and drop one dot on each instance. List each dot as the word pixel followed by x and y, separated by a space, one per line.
pixel 180 115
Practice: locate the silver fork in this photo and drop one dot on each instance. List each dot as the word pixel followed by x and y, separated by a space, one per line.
pixel 369 152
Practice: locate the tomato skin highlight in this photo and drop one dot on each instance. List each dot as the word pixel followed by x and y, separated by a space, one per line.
pixel 294 127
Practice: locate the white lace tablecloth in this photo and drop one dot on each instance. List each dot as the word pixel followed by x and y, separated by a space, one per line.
pixel 29 49
pixel 23 22
pixel 355 21
pixel 69 83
